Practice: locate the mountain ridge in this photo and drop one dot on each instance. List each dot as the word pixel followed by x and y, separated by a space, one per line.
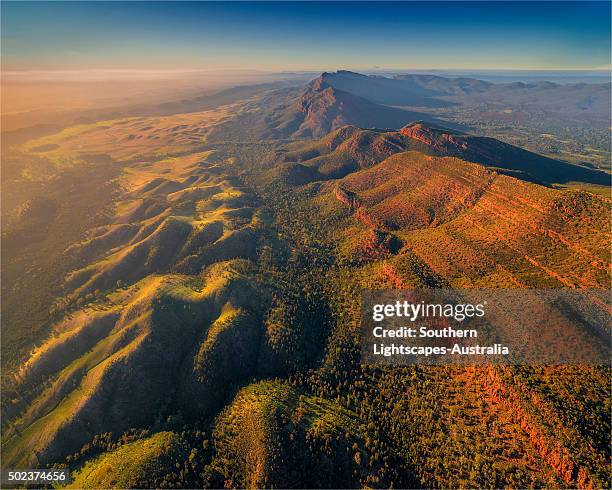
pixel 349 148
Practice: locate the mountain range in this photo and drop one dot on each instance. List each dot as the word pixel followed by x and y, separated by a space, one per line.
pixel 203 329
pixel 575 100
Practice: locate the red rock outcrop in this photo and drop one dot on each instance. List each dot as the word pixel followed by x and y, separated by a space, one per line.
pixel 437 139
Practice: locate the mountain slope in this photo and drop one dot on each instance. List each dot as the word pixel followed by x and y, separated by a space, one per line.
pixel 271 433
pixel 496 154
pixel 468 223
pixel 145 463
pixel 342 151
pixel 416 220
pixel 166 334
pixel 350 148
pixel 323 108
pixel 164 295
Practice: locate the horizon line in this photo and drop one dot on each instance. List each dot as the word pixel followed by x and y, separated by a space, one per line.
pixel 288 71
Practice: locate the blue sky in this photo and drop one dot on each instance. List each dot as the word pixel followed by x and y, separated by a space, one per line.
pixel 305 36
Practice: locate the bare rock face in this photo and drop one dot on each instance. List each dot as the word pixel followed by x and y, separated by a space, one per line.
pixel 436 138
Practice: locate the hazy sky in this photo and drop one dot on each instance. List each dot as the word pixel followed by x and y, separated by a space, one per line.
pixel 305 36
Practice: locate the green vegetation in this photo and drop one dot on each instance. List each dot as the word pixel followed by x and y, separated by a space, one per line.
pixel 146 463
pixel 272 434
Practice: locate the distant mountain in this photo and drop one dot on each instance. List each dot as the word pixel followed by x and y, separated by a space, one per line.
pixel 405 90
pixel 333 100
pixel 578 101
pixel 444 85
pixel 322 108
